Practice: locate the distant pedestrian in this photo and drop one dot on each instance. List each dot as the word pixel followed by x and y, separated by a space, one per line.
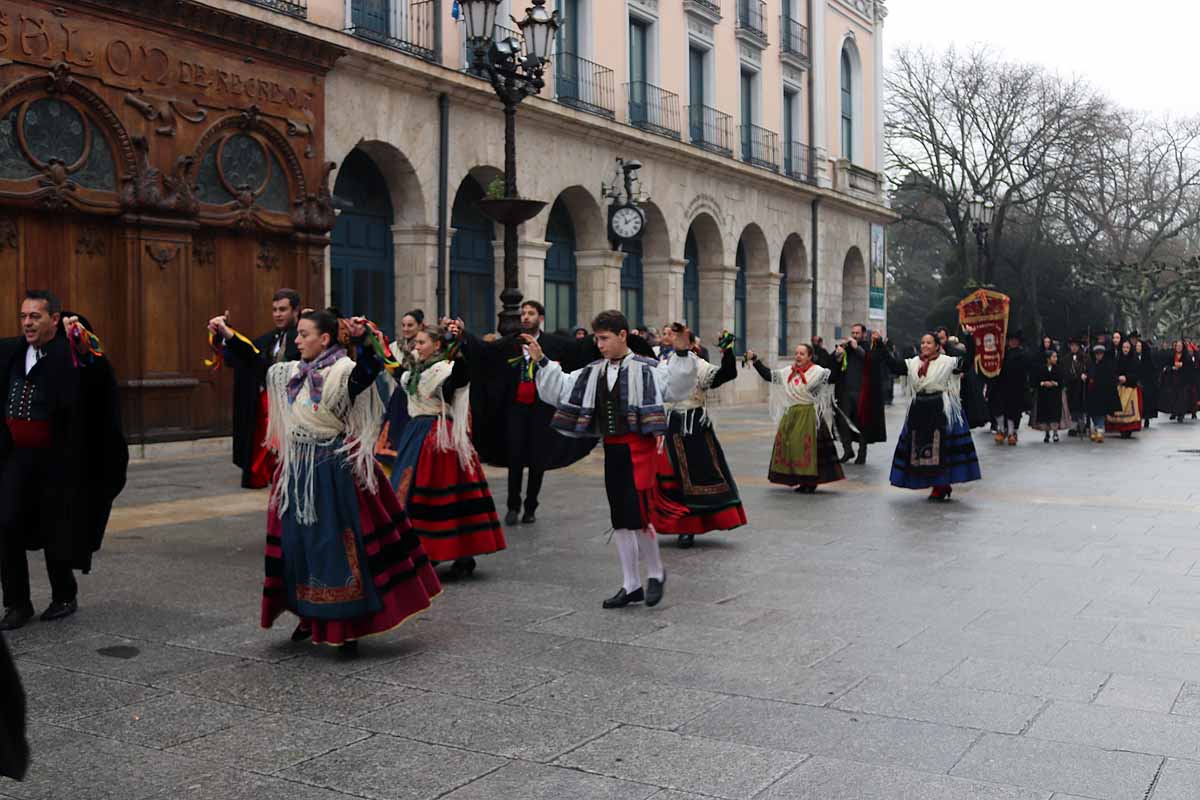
pixel 1050 412
pixel 1008 394
pixel 1074 369
pixel 1102 398
pixel 1127 418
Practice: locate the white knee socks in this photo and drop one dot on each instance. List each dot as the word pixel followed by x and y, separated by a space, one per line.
pixel 648 545
pixel 627 549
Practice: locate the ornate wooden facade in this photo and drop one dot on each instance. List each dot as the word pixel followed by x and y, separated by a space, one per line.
pixel 160 161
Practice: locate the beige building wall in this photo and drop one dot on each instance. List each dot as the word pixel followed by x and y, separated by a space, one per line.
pixel 383 100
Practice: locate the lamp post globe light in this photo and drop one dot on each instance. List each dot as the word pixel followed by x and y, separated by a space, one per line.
pixel 515 73
pixel 981 212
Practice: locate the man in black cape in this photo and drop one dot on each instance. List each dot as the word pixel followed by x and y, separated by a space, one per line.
pixel 1008 393
pixel 250 360
pixel 511 423
pixel 1102 396
pixel 62 456
pixel 860 392
pixel 14 750
pixel 1075 364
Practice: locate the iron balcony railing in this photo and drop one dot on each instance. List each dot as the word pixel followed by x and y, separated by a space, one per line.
pixel 793 38
pixel 710 129
pixel 760 147
pixel 712 5
pixel 653 109
pixel 415 29
pixel 799 162
pixel 752 17
pixel 585 85
pixel 295 8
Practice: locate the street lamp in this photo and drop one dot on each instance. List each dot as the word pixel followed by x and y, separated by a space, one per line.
pixel 514 76
pixel 981 212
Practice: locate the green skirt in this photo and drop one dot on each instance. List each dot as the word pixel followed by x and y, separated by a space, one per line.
pixel 804 452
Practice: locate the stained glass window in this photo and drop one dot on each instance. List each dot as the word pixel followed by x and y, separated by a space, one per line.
pixel 13 165
pixel 54 131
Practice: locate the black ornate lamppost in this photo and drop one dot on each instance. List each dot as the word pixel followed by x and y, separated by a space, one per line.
pixel 515 73
pixel 981 212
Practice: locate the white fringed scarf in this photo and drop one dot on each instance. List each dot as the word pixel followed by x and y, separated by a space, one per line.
pixel 296 430
pixel 815 390
pixel 939 377
pixel 705 374
pixel 428 401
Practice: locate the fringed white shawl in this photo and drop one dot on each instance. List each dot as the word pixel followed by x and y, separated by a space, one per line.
pixel 705 374
pixel 789 390
pixel 940 377
pixel 295 430
pixel 428 401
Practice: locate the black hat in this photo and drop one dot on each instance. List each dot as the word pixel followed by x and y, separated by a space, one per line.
pixel 1079 339
pixel 1015 334
pixel 1133 334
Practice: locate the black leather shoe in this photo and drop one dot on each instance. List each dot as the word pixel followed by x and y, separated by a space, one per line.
pixel 349 649
pixel 529 518
pixel 59 610
pixel 510 519
pixel 654 590
pixel 687 540
pixel 16 618
pixel 847 456
pixel 862 457
pixel 303 631
pixel 623 598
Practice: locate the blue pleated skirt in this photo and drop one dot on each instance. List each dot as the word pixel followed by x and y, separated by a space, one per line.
pixel 958 462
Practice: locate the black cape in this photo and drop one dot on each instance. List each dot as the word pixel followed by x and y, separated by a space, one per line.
pixel 250 378
pixel 871 368
pixel 1148 380
pixel 493 394
pixel 1008 393
pixel 1176 396
pixel 88 452
pixel 1102 397
pixel 14 750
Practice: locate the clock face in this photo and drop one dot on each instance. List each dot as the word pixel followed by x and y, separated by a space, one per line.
pixel 627 222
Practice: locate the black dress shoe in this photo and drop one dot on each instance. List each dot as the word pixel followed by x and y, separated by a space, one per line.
pixel 623 598
pixel 654 590
pixel 862 457
pixel 303 631
pixel 349 649
pixel 510 519
pixel 16 618
pixel 529 518
pixel 847 456
pixel 59 610
pixel 687 540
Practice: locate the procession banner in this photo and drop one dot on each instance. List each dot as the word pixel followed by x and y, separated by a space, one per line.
pixel 987 312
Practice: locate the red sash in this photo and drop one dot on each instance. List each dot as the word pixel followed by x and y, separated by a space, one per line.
pixel 657 509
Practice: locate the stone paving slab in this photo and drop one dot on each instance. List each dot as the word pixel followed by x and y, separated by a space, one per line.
pixel 1036 638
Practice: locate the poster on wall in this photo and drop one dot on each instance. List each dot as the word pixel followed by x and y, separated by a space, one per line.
pixel 878 273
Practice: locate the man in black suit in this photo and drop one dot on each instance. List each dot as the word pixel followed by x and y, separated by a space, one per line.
pixel 512 423
pixel 250 360
pixel 62 455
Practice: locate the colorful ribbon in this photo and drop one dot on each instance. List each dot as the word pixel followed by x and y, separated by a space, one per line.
pixel 218 349
pixel 726 340
pixel 80 335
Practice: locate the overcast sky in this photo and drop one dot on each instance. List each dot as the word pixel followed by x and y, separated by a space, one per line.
pixel 1143 55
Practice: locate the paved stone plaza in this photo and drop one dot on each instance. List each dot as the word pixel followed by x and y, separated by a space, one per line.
pixel 1038 638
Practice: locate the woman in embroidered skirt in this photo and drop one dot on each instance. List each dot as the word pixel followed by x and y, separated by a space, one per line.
pixel 802 407
pixel 1050 412
pixel 692 470
pixel 437 474
pixel 340 553
pixel 1128 418
pixel 935 449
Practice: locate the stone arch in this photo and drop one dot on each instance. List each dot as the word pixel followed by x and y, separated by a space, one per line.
pixel 708 290
pixel 362 259
pixel 754 242
pixel 587 218
pixel 403 184
pixel 473 262
pixel 795 294
pixel 854 290
pixel 561 275
pixel 656 240
pixel 753 302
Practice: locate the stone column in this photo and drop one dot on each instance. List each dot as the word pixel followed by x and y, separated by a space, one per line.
pixel 799 328
pixel 717 299
pixel 414 254
pixel 662 289
pixel 762 314
pixel 531 269
pixel 598 285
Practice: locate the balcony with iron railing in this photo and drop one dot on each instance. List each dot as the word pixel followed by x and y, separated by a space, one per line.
pixel 752 22
pixel 293 8
pixel 585 85
pixel 653 109
pixel 710 129
pixel 707 10
pixel 414 28
pixel 793 42
pixel 760 147
pixel 799 162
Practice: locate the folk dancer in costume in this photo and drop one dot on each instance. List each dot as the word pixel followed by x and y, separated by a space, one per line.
pixel 62 455
pixel 621 398
pixel 692 470
pixel 1074 367
pixel 250 360
pixel 1008 393
pixel 860 392
pixel 511 426
pixel 1050 412
pixel 437 475
pixel 1175 393
pixel 1126 419
pixel 340 553
pixel 1102 396
pixel 935 449
pixel 802 408
pixel 401 352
